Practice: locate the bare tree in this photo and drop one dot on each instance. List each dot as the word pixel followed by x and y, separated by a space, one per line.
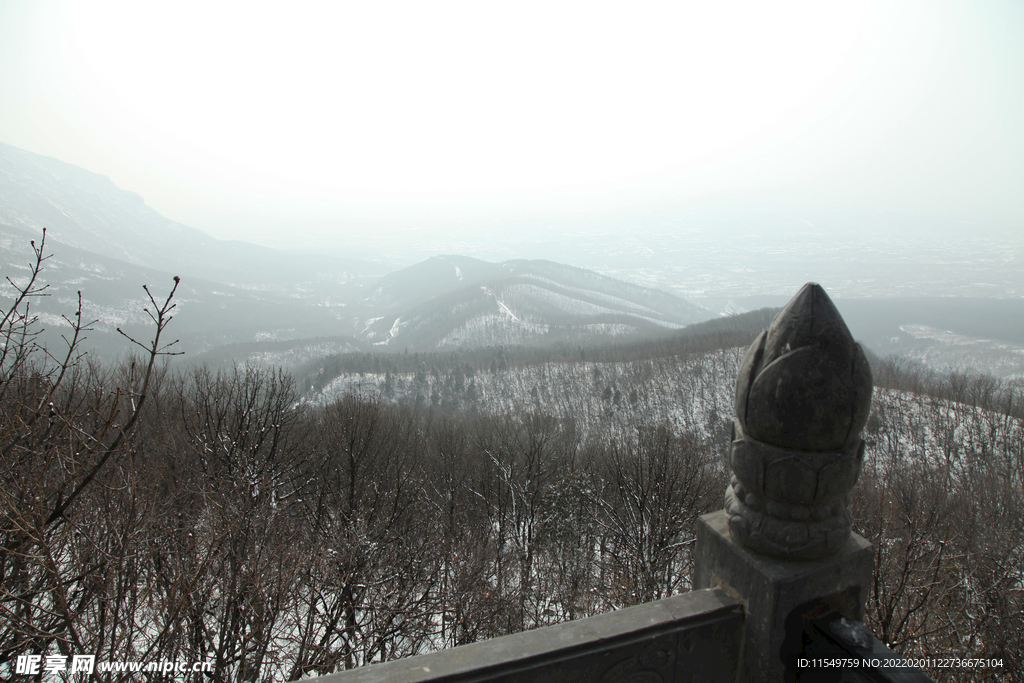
pixel 66 442
pixel 655 484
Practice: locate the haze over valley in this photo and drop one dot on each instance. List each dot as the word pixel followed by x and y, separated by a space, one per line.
pixel 947 297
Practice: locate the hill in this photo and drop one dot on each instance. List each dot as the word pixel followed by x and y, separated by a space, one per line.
pixel 208 314
pixel 86 210
pixel 271 305
pixel 451 301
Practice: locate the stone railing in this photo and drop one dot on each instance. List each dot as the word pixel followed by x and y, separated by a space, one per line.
pixel 656 641
pixel 780 579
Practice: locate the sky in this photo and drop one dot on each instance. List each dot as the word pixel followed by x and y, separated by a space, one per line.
pixel 312 123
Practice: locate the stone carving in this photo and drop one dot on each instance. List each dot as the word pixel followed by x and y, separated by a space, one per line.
pixel 647 667
pixel 803 394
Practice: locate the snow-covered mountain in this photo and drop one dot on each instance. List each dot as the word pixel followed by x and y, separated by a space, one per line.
pixel 208 314
pixel 460 301
pixel 107 243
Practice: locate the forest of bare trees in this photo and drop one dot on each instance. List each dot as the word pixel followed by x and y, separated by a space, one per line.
pixel 158 511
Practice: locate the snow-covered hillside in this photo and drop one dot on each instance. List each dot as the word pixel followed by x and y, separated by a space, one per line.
pixel 691 393
pixel 457 301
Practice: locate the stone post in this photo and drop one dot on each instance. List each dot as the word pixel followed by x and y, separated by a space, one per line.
pixel 783 544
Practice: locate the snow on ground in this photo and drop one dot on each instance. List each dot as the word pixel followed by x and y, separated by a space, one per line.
pixel 692 394
pixel 370 322
pixel 610 329
pixel 616 302
pixel 493 329
pixel 947 351
pixel 695 394
pixel 917 428
pixel 504 309
pixel 561 302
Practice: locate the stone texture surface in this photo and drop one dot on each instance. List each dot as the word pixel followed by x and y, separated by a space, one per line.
pixel 831 636
pixel 803 394
pixel 690 637
pixel 805 383
pixel 790 504
pixel 773 590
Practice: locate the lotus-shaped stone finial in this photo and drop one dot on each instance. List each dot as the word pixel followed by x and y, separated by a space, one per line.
pixel 803 394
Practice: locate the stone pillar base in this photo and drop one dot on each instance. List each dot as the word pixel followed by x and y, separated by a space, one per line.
pixel 773 590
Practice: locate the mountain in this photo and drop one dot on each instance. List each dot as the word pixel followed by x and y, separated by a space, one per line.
pixel 86 210
pixel 461 301
pixel 208 313
pixel 106 243
pixel 253 302
pixel 241 301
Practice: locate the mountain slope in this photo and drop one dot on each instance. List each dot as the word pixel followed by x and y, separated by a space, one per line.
pixel 83 209
pixel 107 243
pixel 460 301
pixel 208 314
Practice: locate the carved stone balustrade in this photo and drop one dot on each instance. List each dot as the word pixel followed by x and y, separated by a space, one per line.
pixel 803 395
pixel 658 642
pixel 783 544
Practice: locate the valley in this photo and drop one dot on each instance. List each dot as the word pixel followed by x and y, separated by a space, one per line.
pixel 458 448
pixel 337 334
pixel 240 302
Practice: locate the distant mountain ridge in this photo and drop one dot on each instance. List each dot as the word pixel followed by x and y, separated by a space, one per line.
pixel 86 210
pixel 242 301
pixel 208 313
pixel 457 301
pixel 108 243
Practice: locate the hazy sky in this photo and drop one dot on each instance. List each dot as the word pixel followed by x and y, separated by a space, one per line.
pixel 310 122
